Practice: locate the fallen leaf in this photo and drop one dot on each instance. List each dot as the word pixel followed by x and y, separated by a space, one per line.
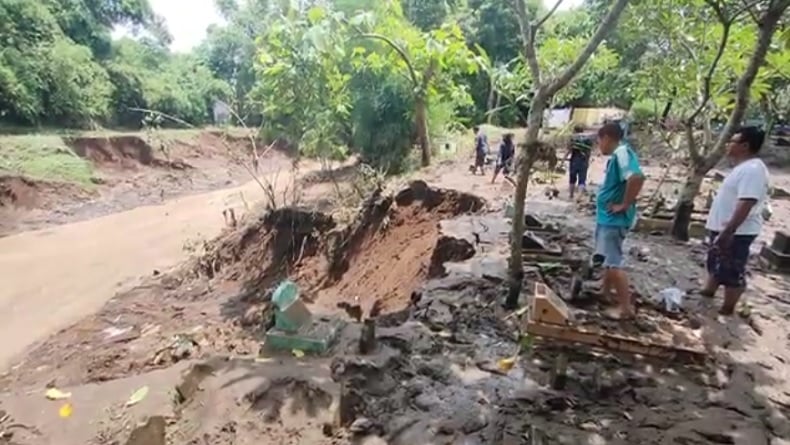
pixel 506 364
pixel 138 396
pixel 65 411
pixel 56 394
pixel 297 353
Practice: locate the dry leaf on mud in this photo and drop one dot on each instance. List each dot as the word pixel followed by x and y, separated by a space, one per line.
pixel 297 353
pixel 138 396
pixel 56 394
pixel 506 364
pixel 65 411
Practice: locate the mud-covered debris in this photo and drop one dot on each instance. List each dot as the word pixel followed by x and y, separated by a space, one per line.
pixel 532 242
pixel 364 426
pixel 182 346
pixel 150 433
pixel 271 398
pixel 354 311
pixel 453 201
pixel 191 382
pixel 448 249
pixel 367 339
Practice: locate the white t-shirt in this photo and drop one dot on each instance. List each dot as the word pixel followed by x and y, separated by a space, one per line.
pixel 748 180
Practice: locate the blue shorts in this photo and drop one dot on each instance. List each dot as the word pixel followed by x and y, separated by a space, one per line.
pixel 578 172
pixel 728 267
pixel 609 244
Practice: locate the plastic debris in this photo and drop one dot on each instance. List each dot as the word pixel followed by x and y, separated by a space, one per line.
pixel 66 411
pixel 56 394
pixel 506 364
pixel 297 353
pixel 671 299
pixel 138 396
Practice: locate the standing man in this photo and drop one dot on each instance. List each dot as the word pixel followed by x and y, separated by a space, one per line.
pixel 616 214
pixel 735 218
pixel 481 150
pixel 507 152
pixel 579 155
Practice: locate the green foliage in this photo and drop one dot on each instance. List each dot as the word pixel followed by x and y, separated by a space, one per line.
pixel 358 81
pixel 675 68
pixel 303 87
pixel 43 157
pixel 59 67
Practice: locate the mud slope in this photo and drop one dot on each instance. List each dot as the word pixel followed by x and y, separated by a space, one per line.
pixel 19 192
pixel 130 171
pixel 218 302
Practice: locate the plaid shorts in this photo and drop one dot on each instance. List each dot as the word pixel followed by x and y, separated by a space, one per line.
pixel 728 266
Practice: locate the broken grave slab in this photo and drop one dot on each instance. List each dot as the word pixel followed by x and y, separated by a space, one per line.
pixel 777 260
pixel 781 243
pixel 531 241
pixel 651 225
pixel 316 337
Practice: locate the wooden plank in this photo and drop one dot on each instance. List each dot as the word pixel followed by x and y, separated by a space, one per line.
pixel 547 307
pixel 614 342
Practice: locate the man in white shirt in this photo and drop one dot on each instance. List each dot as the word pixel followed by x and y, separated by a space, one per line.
pixel 735 218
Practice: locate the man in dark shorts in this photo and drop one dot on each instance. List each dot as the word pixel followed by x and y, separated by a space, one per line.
pixel 507 153
pixel 736 218
pixel 579 155
pixel 481 150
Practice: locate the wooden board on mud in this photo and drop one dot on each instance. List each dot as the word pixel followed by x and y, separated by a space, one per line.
pixel 549 317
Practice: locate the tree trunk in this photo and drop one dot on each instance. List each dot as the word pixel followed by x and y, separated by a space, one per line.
pixel 770 121
pixel 667 109
pixel 490 103
pixel 701 166
pixel 685 206
pixel 421 118
pixel 525 161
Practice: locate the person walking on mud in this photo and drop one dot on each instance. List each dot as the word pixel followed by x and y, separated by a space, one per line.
pixel 481 151
pixel 507 152
pixel 736 218
pixel 579 154
pixel 616 214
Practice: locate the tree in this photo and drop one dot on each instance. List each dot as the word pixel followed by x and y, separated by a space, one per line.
pixel 303 83
pixel 429 60
pixel 739 52
pixel 543 90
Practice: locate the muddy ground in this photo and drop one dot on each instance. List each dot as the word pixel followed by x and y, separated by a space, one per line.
pixel 427 262
pixel 131 171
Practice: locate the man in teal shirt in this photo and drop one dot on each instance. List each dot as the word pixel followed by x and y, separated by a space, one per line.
pixel 616 213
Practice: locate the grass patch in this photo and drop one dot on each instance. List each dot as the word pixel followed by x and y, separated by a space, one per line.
pixel 43 157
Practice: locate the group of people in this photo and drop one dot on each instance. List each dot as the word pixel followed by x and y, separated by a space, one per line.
pixel 504 162
pixel 734 221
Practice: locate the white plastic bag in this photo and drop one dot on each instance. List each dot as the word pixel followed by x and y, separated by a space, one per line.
pixel 671 298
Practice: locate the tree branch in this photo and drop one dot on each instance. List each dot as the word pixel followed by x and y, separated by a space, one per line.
pixel 528 40
pixel 401 52
pixel 548 15
pixel 609 22
pixel 748 7
pixel 768 25
pixel 725 36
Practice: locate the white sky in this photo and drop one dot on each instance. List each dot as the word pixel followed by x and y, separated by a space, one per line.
pixel 188 20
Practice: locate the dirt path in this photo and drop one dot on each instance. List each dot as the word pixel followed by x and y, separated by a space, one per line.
pixel 51 278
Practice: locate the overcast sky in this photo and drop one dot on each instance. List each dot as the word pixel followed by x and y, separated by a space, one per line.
pixel 188 20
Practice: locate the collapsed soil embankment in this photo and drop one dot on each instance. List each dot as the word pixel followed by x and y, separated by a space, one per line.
pixel 25 193
pixel 132 170
pixel 380 259
pixel 218 303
